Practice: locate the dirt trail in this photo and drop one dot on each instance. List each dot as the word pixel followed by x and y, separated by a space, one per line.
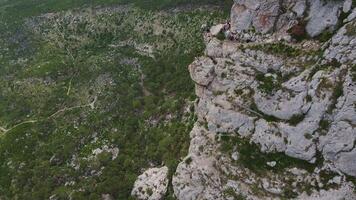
pixel 91 105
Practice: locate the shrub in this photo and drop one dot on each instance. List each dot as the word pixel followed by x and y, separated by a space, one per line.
pixel 267 84
pixel 221 36
pixel 252 158
pixel 188 160
pixel 296 119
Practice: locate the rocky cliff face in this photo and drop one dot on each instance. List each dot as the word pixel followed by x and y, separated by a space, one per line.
pixel 276 106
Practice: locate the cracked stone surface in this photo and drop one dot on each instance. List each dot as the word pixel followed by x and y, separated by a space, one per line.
pixel 300 106
pixel 152 184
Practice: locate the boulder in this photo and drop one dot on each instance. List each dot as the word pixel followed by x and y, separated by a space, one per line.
pixel 347 6
pixel 151 185
pixel 215 30
pixel 202 71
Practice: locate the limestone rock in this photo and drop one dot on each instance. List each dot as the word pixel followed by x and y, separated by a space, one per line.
pixel 250 96
pixel 151 185
pixel 261 15
pixel 215 30
pixel 347 6
pixel 268 136
pixel 271 16
pixel 300 7
pixel 343 44
pixel 196 177
pixel 202 71
pixel 346 192
pixel 346 162
pixel 114 151
pixel 272 163
pixel 282 105
pixel 323 16
pixel 338 145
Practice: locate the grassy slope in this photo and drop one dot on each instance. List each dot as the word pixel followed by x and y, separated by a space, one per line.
pixel 43 72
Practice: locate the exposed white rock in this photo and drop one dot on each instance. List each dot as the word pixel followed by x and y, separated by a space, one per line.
pixel 151 185
pixel 196 177
pixel 268 136
pixel 338 145
pixel 310 115
pixel 352 16
pixel 241 17
pixel 278 16
pixel 300 7
pixel 106 197
pixel 259 14
pixel 202 71
pixel 345 192
pixel 259 60
pixel 215 30
pixel 221 120
pixel 235 155
pixel 323 16
pixel 340 138
pixel 272 163
pixel 215 48
pixel 346 162
pixel 113 150
pixel 347 6
pixel 282 105
pixel 343 44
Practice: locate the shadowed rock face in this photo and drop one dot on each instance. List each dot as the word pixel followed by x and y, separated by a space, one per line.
pixel 274 101
pixel 268 16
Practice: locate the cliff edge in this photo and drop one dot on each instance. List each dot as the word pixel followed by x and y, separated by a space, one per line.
pixel 276 105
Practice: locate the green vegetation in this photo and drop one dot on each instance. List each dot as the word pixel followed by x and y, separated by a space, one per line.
pixel 221 36
pixel 296 119
pixel 353 72
pixel 337 90
pixel 325 176
pixel 77 80
pixel 268 84
pixel 252 158
pixel 286 50
pixel 308 98
pixel 188 161
pixel 324 124
pixel 20 9
pixel 325 36
pixel 350 29
pixel 317 67
pixel 231 193
pixel 278 49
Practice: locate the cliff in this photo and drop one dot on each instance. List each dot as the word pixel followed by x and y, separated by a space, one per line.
pixel 276 104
